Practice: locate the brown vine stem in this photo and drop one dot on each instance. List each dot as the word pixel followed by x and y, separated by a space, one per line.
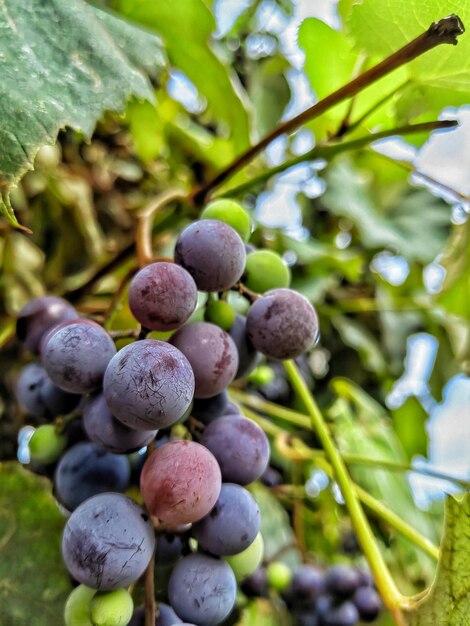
pixel 150 604
pixel 445 30
pixel 145 221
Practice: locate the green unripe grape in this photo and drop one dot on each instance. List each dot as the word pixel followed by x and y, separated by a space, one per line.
pixel 46 445
pixel 230 212
pixel 246 562
pixel 220 313
pixel 77 607
pixel 112 608
pixel 279 575
pixel 261 375
pixel 266 270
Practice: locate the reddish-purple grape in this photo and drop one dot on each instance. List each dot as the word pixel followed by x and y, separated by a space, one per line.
pixel 86 470
pixel 202 589
pixel 108 542
pixel 232 524
pixel 76 356
pixel 212 354
pixel 213 253
pixel 38 316
pixel 162 296
pixel 240 447
pixel 282 324
pixel 38 394
pixel 180 482
pixel 109 433
pixel 148 384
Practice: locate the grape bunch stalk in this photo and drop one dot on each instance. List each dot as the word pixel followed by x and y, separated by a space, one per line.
pixel 193 516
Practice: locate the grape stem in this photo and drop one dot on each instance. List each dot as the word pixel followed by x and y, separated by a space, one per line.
pixel 145 216
pixel 150 604
pixel 444 31
pixel 392 597
pixel 328 150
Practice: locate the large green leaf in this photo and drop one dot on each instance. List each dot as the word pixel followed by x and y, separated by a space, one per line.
pixel 437 79
pixel 63 64
pixel 448 601
pixel 34 583
pixel 186 27
pixel 416 226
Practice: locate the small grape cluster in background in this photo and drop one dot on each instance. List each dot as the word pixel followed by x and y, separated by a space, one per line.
pixel 198 520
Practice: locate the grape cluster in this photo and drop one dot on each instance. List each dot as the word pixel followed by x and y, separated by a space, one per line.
pixel 338 596
pixel 193 511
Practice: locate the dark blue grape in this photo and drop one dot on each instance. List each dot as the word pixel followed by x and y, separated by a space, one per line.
pixel 232 409
pixel 240 447
pixel 344 614
pixel 208 409
pixel 282 324
pixel 38 394
pixel 256 585
pixel 169 550
pixel 76 355
pixel 108 542
pixel 148 384
pixel 368 603
pixel 307 583
pixel 232 525
pixel 202 589
pixel 271 477
pixel 162 296
pixel 108 432
pixel 166 616
pixel 87 470
pixel 306 617
pixel 213 253
pixel 212 355
pixel 248 357
pixel 341 580
pixel 38 316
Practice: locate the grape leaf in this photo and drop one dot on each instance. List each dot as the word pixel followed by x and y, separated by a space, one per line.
pixel 448 601
pixel 63 64
pixel 186 27
pixel 34 582
pixel 440 77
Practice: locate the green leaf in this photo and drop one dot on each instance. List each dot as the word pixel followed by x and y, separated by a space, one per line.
pixel 416 226
pixel 409 423
pixel 270 93
pixel 356 335
pixel 34 583
pixel 47 87
pixel 262 612
pixel 186 27
pixel 448 601
pixel 440 77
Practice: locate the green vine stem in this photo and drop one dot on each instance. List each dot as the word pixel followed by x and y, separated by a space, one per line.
pixel 271 409
pixel 329 150
pixel 392 597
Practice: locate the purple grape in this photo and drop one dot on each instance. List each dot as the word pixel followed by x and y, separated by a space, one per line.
pixel 256 585
pixel 368 603
pixel 108 542
pixel 76 356
pixel 212 354
pixel 86 470
pixel 341 580
pixel 213 253
pixel 38 394
pixel 38 316
pixel 166 616
pixel 232 409
pixel 108 432
pixel 202 589
pixel 344 614
pixel 248 357
pixel 232 525
pixel 271 477
pixel 169 550
pixel 148 384
pixel 162 296
pixel 240 447
pixel 307 583
pixel 208 409
pixel 282 324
